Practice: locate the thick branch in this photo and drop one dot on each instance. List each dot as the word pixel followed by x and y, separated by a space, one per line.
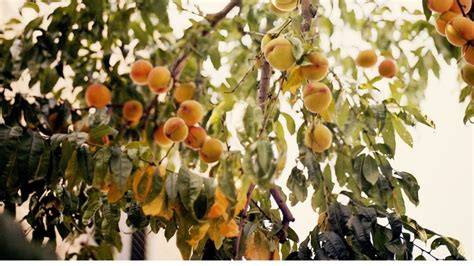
pixel 264 84
pixel 216 17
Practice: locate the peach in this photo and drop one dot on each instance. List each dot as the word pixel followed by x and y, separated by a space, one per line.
pixel 388 68
pixel 159 79
pixel 465 4
pixel 366 58
pixel 285 5
pixel 211 150
pixel 184 92
pixel 160 138
pixel 467 74
pixel 318 138
pixel 196 137
pixel 459 31
pixel 279 54
pixel 443 20
pixel 98 96
pixel 139 71
pixel 468 53
pixel 175 129
pixel 191 112
pixel 440 6
pixel 317 97
pixel 132 111
pixel 265 40
pixel 318 69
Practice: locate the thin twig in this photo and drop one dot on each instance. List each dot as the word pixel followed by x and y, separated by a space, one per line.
pixel 166 155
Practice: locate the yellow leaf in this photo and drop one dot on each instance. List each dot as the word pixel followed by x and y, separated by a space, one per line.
pixel 219 207
pixel 241 201
pixel 197 233
pixel 328 114
pixel 229 228
pixel 157 207
pixel 257 247
pixel 113 194
pixel 276 251
pixel 294 81
pixel 215 235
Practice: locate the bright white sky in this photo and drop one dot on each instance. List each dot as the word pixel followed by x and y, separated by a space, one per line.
pixel 441 159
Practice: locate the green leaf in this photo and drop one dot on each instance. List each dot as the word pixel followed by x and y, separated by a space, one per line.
pixel 370 170
pixel 189 187
pixel 402 131
pixel 31 5
pixel 410 186
pixel 426 10
pixel 121 168
pixel 290 123
pixel 464 93
pixel 101 161
pixel 48 77
pixel 298 186
pixel 99 131
pixel 396 201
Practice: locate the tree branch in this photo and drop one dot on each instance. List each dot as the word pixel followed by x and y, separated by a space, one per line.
pixel 216 17
pixel 243 217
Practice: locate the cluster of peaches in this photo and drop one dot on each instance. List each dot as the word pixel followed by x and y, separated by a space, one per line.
pixel 458 29
pixel 314 67
pixel 184 127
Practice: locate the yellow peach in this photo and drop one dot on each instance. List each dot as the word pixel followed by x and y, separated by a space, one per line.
pixel 191 112
pixel 132 111
pixel 317 97
pixel 175 129
pixel 196 137
pixel 443 20
pixel 467 73
pixel 160 138
pixel 468 53
pixel 318 138
pixel 459 31
pixel 465 4
pixel 139 71
pixel 98 96
pixel 366 58
pixel 388 68
pixel 159 79
pixel 279 54
pixel 318 69
pixel 184 92
pixel 440 6
pixel 211 150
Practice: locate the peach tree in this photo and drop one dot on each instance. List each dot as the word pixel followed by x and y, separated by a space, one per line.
pixel 107 110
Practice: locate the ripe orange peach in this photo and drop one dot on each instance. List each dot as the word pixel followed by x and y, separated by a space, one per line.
pixel 468 53
pixel 388 68
pixel 318 69
pixel 160 138
pixel 440 6
pixel 98 96
pixel 318 138
pixel 459 31
pixel 366 58
pixel 132 110
pixel 465 4
pixel 317 97
pixel 196 137
pixel 139 71
pixel 159 79
pixel 191 112
pixel 175 129
pixel 211 150
pixel 443 20
pixel 279 54
pixel 184 92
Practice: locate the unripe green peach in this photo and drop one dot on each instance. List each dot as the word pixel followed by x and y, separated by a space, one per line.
pixel 275 10
pixel 285 5
pixel 184 92
pixel 467 73
pixel 175 129
pixel 459 31
pixel 440 6
pixel 465 4
pixel 196 137
pixel 132 111
pixel 318 69
pixel 318 138
pixel 160 138
pixel 317 97
pixel 468 53
pixel 211 150
pixel 139 71
pixel 279 54
pixel 191 112
pixel 443 20
pixel 366 58
pixel 98 96
pixel 159 79
pixel 388 68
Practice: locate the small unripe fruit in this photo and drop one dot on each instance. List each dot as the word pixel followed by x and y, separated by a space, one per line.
pixel 211 150
pixel 196 137
pixel 159 79
pixel 318 69
pixel 440 6
pixel 279 54
pixel 132 111
pixel 317 97
pixel 443 20
pixel 465 4
pixel 318 138
pixel 139 71
pixel 467 73
pixel 160 138
pixel 388 68
pixel 285 5
pixel 175 129
pixel 468 53
pixel 191 112
pixel 98 96
pixel 459 31
pixel 184 92
pixel 275 10
pixel 367 58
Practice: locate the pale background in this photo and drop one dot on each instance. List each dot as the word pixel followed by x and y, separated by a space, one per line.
pixel 441 159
